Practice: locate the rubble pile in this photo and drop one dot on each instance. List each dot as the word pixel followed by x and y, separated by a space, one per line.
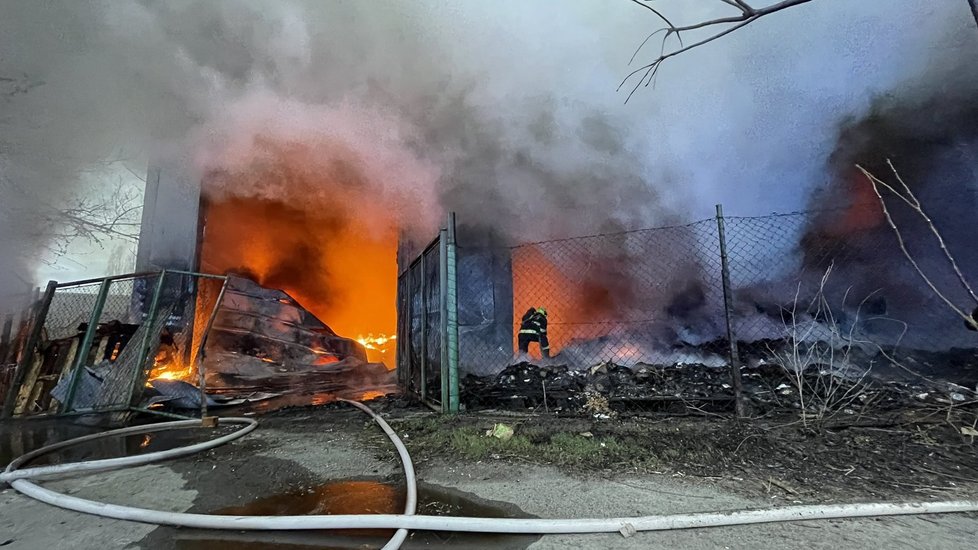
pixel 693 387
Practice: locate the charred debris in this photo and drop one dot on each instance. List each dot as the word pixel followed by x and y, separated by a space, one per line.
pixel 864 383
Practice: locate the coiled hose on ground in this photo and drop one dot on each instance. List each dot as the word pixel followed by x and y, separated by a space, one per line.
pixel 21 481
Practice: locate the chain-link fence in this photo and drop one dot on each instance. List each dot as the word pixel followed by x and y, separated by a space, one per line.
pixel 808 277
pixel 94 344
pixel 641 320
pixel 429 304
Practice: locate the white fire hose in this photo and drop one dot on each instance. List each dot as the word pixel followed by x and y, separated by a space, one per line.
pixel 20 480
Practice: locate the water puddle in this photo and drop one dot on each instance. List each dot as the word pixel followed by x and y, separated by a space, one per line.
pixel 358 497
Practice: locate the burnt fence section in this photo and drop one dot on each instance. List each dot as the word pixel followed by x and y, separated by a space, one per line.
pixel 90 346
pixel 427 339
pixel 812 310
pixel 15 326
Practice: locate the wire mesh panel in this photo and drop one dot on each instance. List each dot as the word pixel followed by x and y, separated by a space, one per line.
pixel 404 378
pixel 818 277
pixel 71 309
pixel 625 298
pixel 420 325
pixel 431 302
pixel 416 340
pixel 106 360
pixel 639 318
pixel 485 308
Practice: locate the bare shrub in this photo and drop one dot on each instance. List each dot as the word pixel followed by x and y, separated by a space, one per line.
pixel 819 359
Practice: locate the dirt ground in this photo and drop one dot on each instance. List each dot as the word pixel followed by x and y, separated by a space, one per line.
pixel 550 467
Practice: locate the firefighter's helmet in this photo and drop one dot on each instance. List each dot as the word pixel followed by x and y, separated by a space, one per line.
pixel 542 311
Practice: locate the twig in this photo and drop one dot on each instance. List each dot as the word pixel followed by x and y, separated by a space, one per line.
pixel 874 181
pixel 783 486
pixel 739 445
pixel 545 406
pixel 684 495
pixel 951 476
pixel 747 16
pixel 914 203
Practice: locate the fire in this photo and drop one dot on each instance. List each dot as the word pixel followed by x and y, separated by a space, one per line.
pixel 372 394
pixel 863 212
pixel 376 342
pixel 345 276
pixel 573 299
pixel 380 348
pixel 168 367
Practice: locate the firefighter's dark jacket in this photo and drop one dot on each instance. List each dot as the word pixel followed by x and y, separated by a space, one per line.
pixel 534 323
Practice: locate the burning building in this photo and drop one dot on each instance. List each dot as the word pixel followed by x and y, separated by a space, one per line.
pixel 311 290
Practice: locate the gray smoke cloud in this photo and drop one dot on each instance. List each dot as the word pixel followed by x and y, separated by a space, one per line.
pixel 501 110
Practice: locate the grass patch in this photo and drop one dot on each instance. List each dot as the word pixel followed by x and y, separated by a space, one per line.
pixel 449 437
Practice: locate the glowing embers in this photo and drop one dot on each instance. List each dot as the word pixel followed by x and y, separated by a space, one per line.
pixel 168 366
pixel 324 357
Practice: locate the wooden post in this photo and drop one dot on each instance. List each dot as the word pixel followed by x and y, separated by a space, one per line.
pixel 27 356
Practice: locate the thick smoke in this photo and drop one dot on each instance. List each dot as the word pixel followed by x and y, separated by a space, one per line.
pixel 930 135
pixel 503 111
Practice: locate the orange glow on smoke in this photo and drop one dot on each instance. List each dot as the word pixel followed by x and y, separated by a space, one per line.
pixel 344 275
pixel 864 211
pixel 572 297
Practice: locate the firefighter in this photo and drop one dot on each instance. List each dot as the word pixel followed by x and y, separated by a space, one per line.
pixel 533 328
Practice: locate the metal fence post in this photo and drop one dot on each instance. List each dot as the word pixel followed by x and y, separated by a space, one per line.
pixel 199 359
pixel 443 314
pixel 139 373
pixel 27 354
pixel 424 328
pixel 451 313
pixel 728 314
pixel 86 344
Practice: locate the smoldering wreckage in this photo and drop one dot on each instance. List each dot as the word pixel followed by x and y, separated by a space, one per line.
pixel 264 346
pixel 260 345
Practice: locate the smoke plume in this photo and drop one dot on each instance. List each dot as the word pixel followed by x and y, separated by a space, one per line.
pixel 395 112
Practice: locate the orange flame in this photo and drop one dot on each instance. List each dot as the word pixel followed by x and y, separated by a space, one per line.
pixel 168 367
pixel 344 275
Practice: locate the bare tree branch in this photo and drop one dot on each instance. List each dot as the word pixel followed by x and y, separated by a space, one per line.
pixel 914 203
pixel 911 200
pixel 747 16
pixel 655 11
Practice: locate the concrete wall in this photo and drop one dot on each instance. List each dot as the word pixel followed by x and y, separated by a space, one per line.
pixel 169 231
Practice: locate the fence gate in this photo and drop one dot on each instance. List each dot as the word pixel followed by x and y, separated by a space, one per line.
pixel 93 344
pixel 427 325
